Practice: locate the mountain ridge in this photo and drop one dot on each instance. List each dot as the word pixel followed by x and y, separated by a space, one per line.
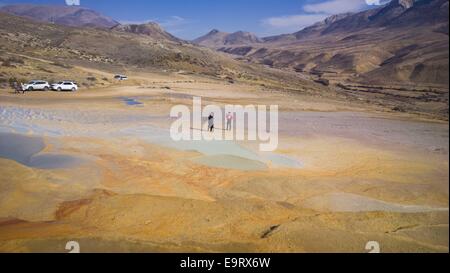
pixel 216 38
pixel 62 15
pixel 403 43
pixel 150 29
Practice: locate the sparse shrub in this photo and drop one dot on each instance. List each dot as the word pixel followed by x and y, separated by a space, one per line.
pixel 66 66
pixel 15 60
pixel 46 70
pixel 12 80
pixel 7 63
pixel 11 61
pixel 105 79
pixel 267 62
pixel 324 82
pixel 399 109
pixel 229 79
pixel 91 79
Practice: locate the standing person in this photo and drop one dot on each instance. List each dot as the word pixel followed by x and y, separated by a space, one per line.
pixel 15 86
pixel 22 87
pixel 211 122
pixel 229 121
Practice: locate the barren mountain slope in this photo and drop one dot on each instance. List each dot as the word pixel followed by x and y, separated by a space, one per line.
pixel 403 45
pixel 150 29
pixel 216 38
pixel 62 15
pixel 117 50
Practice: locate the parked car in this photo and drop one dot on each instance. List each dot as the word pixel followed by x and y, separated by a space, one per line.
pixel 121 77
pixel 65 86
pixel 36 85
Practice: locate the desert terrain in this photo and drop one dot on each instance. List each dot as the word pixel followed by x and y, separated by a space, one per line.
pixel 92 167
pixel 394 54
pixel 355 163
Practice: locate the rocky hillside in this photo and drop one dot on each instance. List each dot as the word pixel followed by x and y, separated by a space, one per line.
pixel 150 29
pixel 61 15
pixel 126 49
pixel 216 38
pixel 402 45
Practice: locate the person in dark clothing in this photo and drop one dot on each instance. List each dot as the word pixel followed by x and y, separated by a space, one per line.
pixel 211 122
pixel 15 86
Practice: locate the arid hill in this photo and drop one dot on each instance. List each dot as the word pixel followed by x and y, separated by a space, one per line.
pixel 400 46
pixel 125 48
pixel 151 29
pixel 399 68
pixel 61 15
pixel 216 38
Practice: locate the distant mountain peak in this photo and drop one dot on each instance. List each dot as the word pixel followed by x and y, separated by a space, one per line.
pixel 151 29
pixel 62 15
pixel 216 38
pixel 241 37
pixel 214 31
pixel 333 18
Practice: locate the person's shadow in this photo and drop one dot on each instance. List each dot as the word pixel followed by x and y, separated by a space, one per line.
pixel 14 92
pixel 202 130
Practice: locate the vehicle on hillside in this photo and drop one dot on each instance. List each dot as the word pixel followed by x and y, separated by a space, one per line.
pixel 65 86
pixel 36 85
pixel 121 77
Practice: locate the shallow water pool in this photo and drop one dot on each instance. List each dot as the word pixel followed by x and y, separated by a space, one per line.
pixel 27 150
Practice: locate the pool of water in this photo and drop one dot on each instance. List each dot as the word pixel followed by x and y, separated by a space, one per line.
pixel 131 101
pixel 27 150
pixel 53 161
pixel 217 153
pixel 283 161
pixel 19 147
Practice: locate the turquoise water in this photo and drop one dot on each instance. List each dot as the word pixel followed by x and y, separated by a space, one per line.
pixel 230 152
pixel 283 161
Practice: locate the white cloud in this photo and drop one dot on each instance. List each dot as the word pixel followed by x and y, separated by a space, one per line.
pixel 377 2
pixel 173 21
pixel 336 6
pixel 174 24
pixel 315 12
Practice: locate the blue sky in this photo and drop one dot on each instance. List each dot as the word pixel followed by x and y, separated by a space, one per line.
pixel 189 19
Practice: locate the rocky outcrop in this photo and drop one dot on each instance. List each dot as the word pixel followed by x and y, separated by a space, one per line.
pixel 406 4
pixel 241 38
pixel 218 39
pixel 150 29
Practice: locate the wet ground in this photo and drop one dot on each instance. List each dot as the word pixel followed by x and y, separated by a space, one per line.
pixel 108 170
pixel 27 151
